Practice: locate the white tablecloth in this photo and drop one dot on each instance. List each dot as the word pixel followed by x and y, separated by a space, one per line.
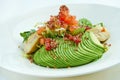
pixel 12 8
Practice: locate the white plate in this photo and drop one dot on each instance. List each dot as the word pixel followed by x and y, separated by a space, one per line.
pixel 11 56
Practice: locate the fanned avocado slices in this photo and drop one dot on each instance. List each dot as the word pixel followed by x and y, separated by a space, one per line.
pixel 67 55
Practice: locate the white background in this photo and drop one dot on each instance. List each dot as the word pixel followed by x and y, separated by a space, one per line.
pixel 12 8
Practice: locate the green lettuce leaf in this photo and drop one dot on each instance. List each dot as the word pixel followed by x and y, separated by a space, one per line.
pixel 85 22
pixel 26 34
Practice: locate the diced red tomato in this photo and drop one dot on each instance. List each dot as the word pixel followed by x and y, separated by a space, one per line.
pixel 66 17
pixel 70 19
pixel 75 39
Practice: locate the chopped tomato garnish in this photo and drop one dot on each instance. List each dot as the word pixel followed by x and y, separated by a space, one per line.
pixel 61 16
pixel 65 26
pixel 42 41
pixel 72 28
pixel 71 20
pixel 47 46
pixel 50 44
pixel 76 40
pixel 40 30
pixel 66 17
pixel 103 29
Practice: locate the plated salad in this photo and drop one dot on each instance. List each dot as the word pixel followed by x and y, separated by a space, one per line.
pixel 63 41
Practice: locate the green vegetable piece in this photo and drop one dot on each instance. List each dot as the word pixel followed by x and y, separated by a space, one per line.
pixel 26 34
pixel 85 22
pixel 79 30
pixel 99 24
pixel 49 33
pixel 53 33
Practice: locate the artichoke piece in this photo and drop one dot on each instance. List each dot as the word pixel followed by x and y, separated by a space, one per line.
pixel 30 45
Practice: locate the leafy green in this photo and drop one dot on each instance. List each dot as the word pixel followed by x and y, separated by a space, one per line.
pixel 99 24
pixel 85 22
pixel 53 33
pixel 26 34
pixel 79 30
pixel 49 33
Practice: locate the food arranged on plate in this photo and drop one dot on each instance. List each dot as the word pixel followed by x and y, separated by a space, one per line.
pixel 63 41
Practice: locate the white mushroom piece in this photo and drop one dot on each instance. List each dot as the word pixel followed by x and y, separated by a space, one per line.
pixel 30 45
pixel 101 33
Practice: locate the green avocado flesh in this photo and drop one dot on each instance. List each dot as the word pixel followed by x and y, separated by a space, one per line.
pixel 67 54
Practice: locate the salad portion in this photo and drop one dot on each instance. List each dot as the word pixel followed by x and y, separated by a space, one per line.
pixel 63 41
